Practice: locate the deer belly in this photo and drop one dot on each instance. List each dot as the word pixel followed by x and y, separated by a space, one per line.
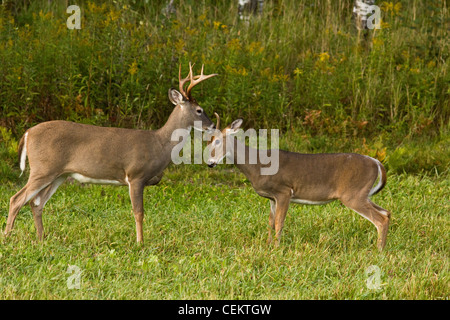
pixel 304 201
pixel 84 179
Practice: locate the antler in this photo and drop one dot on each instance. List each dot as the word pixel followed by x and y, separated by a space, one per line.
pixel 218 121
pixel 183 81
pixel 193 79
pixel 197 79
pixel 211 137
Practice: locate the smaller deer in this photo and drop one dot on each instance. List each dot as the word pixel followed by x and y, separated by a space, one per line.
pixel 307 179
pixel 91 154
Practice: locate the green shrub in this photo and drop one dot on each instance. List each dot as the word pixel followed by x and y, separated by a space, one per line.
pixel 414 157
pixel 299 67
pixel 8 156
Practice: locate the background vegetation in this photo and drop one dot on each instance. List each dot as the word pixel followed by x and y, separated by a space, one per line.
pixel 300 67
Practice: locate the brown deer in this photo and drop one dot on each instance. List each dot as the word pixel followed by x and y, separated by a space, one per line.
pixel 306 179
pixel 92 154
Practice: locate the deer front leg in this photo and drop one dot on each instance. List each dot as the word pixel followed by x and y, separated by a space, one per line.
pixel 282 205
pixel 137 202
pixel 273 207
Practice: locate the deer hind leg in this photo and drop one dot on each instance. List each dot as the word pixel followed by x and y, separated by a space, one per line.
pixel 384 226
pixel 17 201
pixel 375 214
pixel 273 207
pixel 38 202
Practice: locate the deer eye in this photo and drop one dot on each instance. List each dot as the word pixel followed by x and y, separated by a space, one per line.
pixel 199 111
pixel 217 142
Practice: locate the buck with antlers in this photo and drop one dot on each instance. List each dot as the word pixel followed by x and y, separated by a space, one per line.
pixel 307 179
pixel 91 154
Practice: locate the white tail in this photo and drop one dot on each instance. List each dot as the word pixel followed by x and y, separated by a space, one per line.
pixel 23 153
pixel 381 178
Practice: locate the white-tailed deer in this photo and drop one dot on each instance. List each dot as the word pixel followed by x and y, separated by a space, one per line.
pixel 307 179
pixel 91 154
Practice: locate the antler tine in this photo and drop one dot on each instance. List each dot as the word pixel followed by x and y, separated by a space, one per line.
pixel 197 79
pixel 191 75
pixel 183 82
pixel 218 121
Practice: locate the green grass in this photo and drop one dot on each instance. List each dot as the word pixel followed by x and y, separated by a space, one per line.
pixel 205 237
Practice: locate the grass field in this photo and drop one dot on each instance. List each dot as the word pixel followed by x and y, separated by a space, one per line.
pixel 205 237
pixel 300 67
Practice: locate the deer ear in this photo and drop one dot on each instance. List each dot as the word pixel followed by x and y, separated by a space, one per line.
pixel 234 126
pixel 176 97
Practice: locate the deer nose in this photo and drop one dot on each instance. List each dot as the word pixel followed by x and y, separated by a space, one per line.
pixel 211 163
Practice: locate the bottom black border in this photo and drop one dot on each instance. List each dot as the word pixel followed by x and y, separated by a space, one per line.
pixel 226 309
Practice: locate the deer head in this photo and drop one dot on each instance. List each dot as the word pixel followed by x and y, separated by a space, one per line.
pixel 189 110
pixel 219 149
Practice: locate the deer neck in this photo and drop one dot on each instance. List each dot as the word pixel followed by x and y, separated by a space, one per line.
pixel 175 122
pixel 249 169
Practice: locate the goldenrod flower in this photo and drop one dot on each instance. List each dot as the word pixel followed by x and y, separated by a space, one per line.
pixel 393 8
pixel 133 68
pixel 234 44
pixel 298 72
pixel 324 57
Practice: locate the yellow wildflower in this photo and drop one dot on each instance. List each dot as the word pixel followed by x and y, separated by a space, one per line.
pixel 393 8
pixel 133 68
pixel 323 63
pixel 298 72
pixel 405 54
pixel 179 45
pixel 224 28
pixel 324 57
pixel 114 15
pixel 191 31
pixel 92 7
pixel 377 42
pixel 237 71
pixel 431 64
pixel 234 44
pixel 384 25
pixel 176 24
pixel 255 47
